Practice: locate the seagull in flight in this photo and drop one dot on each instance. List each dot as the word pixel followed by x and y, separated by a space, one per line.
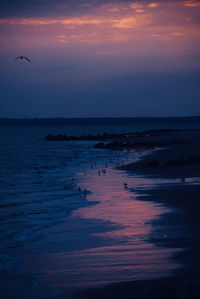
pixel 22 57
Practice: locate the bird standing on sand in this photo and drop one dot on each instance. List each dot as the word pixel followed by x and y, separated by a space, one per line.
pixel 125 185
pixel 22 57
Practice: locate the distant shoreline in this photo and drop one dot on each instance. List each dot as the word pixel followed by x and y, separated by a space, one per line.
pixel 98 120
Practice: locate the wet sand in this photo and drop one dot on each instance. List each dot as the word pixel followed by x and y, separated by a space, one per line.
pixel 107 242
pixel 180 193
pixel 182 230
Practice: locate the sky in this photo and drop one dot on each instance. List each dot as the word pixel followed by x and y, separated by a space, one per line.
pixel 100 58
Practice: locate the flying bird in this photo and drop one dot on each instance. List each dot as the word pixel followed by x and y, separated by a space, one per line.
pixel 22 57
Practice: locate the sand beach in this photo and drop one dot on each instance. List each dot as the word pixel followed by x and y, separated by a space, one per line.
pixel 179 165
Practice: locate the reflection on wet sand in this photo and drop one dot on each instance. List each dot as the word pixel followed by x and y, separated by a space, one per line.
pixel 105 242
pixel 131 255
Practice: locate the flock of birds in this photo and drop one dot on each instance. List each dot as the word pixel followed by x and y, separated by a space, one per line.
pixel 85 192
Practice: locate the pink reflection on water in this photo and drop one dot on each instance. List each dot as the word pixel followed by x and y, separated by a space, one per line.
pixel 118 204
pixel 124 251
pixel 131 255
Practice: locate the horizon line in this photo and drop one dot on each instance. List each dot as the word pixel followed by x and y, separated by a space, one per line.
pixel 95 117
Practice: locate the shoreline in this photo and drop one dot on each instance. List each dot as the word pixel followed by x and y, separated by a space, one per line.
pixel 105 239
pixel 183 224
pixel 179 186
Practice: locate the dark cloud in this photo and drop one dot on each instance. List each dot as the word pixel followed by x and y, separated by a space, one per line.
pixel 21 8
pixel 45 8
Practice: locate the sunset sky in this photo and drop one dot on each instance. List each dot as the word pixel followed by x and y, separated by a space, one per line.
pixel 100 58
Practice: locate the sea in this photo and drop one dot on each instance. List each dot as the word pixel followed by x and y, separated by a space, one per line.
pixel 38 178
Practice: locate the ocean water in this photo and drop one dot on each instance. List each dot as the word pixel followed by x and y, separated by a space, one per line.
pixel 38 185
